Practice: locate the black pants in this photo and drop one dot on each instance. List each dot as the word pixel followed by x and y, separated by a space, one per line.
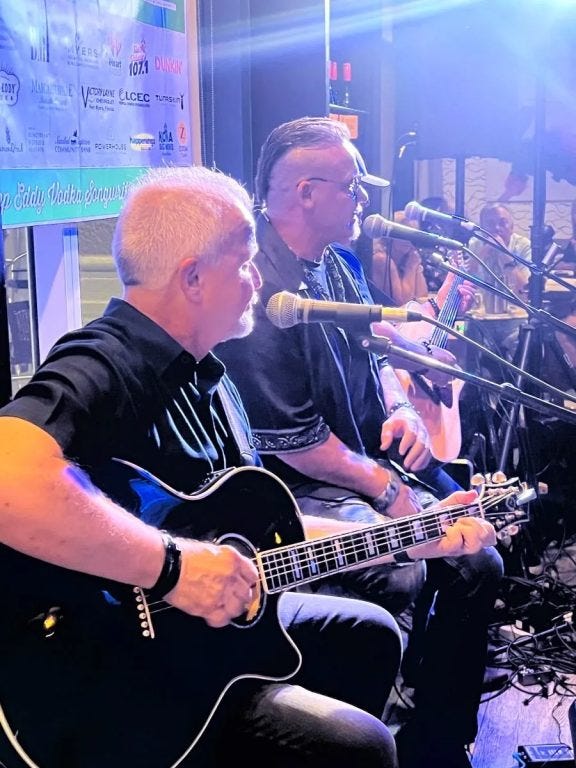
pixel 453 602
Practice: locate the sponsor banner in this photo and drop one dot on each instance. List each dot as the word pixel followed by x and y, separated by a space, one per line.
pixel 166 14
pixel 40 196
pixel 104 87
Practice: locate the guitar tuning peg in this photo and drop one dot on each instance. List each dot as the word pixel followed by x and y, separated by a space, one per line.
pixel 499 477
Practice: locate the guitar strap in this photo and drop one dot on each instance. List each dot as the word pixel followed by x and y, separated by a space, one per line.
pixel 237 428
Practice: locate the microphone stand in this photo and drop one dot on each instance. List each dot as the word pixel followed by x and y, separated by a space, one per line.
pixel 505 293
pixel 530 334
pixel 507 391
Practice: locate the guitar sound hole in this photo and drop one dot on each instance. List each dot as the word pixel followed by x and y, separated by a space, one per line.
pixel 256 608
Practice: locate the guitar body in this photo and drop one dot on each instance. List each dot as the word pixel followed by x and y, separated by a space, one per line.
pixel 438 406
pixel 441 418
pixel 77 650
pixel 94 673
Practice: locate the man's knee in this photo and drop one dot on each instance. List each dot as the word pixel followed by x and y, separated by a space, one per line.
pixel 485 568
pixel 364 741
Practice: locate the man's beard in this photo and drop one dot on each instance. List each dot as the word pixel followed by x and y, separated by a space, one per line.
pixel 245 324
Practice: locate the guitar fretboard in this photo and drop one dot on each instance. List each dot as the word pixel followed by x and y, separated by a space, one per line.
pixel 447 314
pixel 310 560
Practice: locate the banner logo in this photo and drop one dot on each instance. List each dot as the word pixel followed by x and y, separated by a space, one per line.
pixel 9 88
pixel 142 142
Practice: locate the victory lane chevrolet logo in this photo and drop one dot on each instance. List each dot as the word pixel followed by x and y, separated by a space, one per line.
pixel 96 98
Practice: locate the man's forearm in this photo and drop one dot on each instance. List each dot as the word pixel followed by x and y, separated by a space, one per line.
pixel 332 462
pixel 50 512
pixel 394 392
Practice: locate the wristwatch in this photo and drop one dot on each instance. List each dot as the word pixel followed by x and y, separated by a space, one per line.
pixel 389 494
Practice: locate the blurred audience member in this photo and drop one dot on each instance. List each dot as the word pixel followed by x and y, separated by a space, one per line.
pixel 397 266
pixel 497 219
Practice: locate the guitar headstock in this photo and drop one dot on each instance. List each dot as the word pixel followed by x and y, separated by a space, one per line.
pixel 503 501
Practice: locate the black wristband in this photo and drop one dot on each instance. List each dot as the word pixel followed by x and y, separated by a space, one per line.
pixel 402 557
pixel 400 404
pixel 170 572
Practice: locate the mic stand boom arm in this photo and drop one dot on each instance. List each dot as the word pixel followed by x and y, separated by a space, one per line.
pixel 541 314
pixel 500 360
pixel 382 345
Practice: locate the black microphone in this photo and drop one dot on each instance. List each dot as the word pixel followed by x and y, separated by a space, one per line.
pixel 378 226
pixel 286 309
pixel 423 215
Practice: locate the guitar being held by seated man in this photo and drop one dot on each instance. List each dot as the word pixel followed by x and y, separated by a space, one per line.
pixel 134 674
pixel 327 417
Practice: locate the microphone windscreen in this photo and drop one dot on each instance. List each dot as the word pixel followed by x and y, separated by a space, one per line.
pixel 375 226
pixel 413 211
pixel 281 309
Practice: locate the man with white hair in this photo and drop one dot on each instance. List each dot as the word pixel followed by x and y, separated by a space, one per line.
pixel 94 675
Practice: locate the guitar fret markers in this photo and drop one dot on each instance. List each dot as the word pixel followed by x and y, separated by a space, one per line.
pixel 308 561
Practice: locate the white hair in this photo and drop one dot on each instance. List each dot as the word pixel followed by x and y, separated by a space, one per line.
pixel 170 214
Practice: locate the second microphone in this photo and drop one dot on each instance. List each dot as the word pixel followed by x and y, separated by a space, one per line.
pixel 285 309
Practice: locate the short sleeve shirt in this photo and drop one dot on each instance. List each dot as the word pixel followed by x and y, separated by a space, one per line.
pixel 121 387
pixel 301 383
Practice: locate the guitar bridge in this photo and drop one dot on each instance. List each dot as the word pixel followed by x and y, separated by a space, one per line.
pixel 144 616
pixel 437 394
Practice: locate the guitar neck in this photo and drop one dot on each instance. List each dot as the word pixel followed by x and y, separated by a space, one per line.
pixel 310 560
pixel 447 315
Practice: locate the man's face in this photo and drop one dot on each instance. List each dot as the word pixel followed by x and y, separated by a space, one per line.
pixel 232 285
pixel 338 195
pixel 501 224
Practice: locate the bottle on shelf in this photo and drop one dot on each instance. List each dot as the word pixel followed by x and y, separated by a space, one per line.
pixel 333 77
pixel 347 78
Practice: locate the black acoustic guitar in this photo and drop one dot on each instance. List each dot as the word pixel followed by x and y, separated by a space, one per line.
pixel 74 648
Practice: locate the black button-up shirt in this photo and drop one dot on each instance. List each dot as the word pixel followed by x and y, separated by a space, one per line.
pixel 299 384
pixel 122 387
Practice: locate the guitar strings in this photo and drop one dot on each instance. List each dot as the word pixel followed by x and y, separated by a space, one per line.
pixel 449 310
pixel 286 561
pixel 284 556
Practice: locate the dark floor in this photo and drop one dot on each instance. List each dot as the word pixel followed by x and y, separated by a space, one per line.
pixel 531 708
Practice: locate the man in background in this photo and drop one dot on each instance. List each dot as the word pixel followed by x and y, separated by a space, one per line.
pixel 328 416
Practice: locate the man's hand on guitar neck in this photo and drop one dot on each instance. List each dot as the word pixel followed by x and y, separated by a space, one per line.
pixel 466 536
pixel 466 289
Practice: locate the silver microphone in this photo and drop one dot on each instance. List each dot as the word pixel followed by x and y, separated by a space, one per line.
pixel 285 309
pixel 422 215
pixel 377 226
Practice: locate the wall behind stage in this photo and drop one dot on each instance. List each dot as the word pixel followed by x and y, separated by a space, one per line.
pixel 92 93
